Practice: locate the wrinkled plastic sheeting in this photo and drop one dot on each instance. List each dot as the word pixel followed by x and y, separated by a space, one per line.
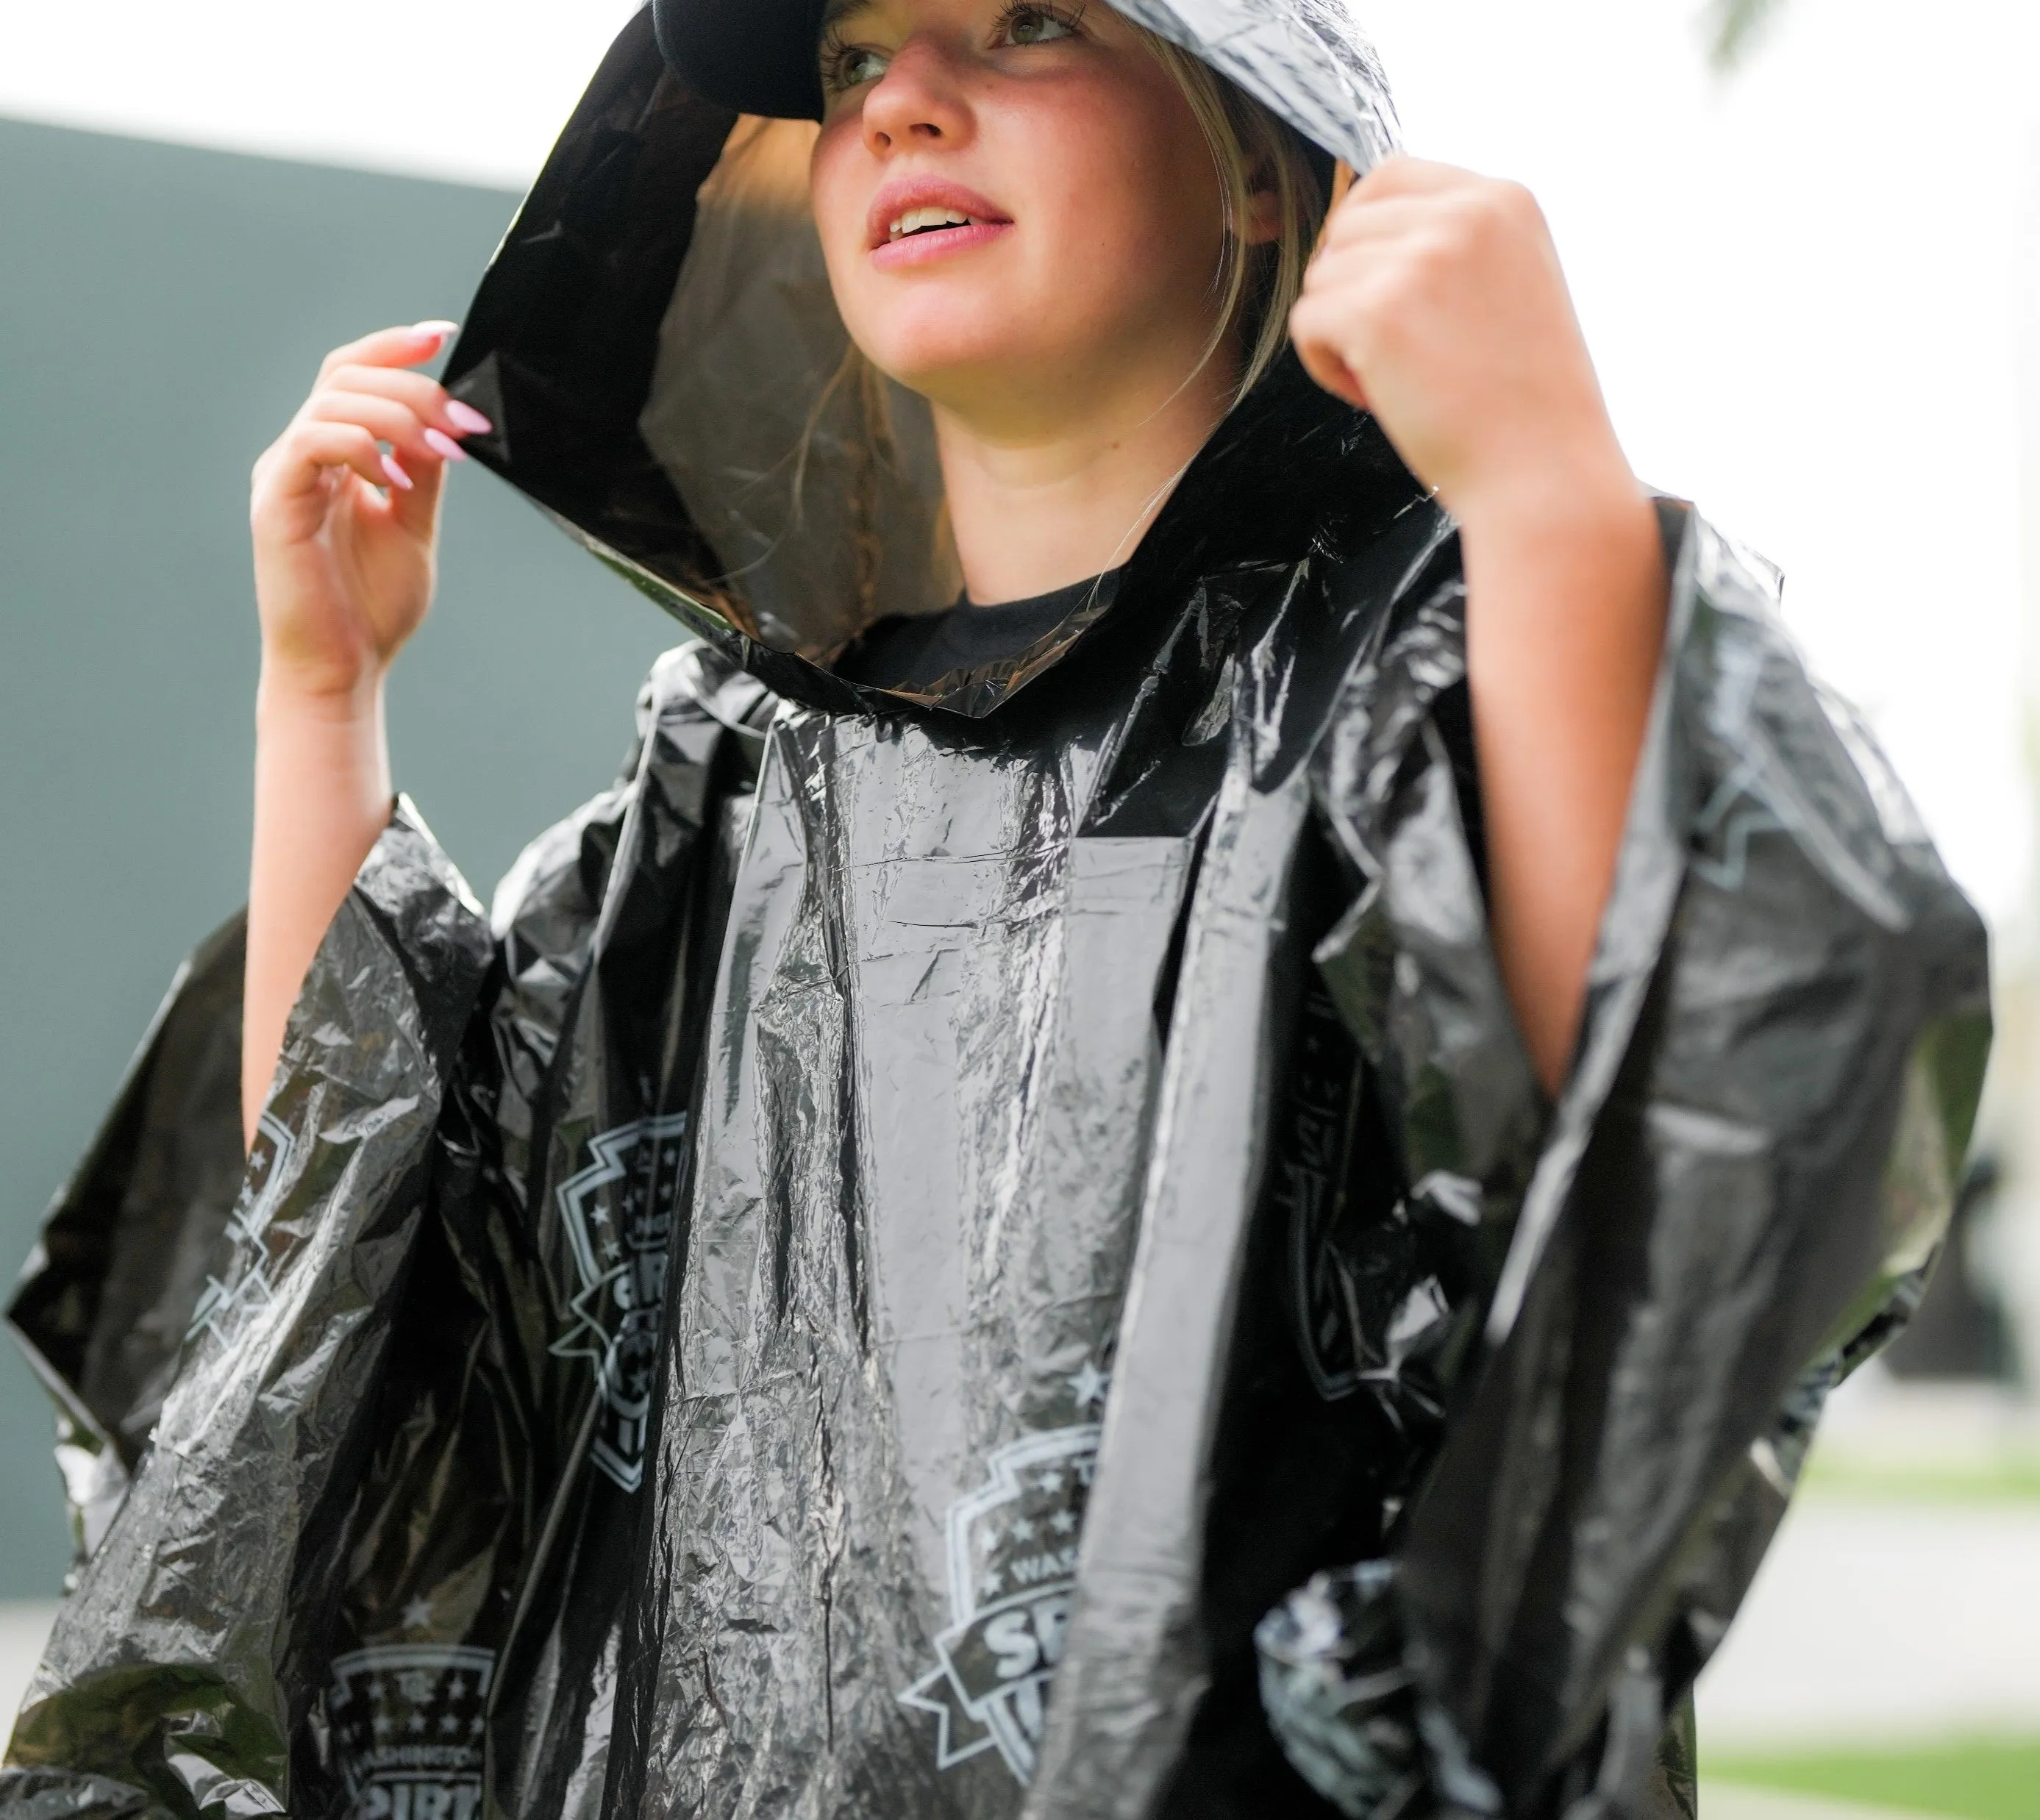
pixel 878 1136
pixel 498 1550
pixel 1734 1204
pixel 374 1505
pixel 109 1291
pixel 1724 1191
pixel 179 1668
pixel 1338 1691
pixel 1309 60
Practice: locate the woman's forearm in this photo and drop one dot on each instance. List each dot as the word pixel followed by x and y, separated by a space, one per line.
pixel 345 532
pixel 1436 300
pixel 322 796
pixel 1565 598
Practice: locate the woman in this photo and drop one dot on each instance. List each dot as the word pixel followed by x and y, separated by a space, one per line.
pixel 1203 1013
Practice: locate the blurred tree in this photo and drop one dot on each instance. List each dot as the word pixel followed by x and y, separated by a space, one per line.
pixel 1733 26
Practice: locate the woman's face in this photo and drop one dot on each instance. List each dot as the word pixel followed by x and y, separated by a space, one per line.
pixel 1019 213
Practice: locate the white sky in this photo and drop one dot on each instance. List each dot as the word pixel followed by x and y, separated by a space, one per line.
pixel 465 89
pixel 1802 284
pixel 1803 287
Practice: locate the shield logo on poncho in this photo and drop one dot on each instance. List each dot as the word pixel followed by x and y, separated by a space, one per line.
pixel 617 1215
pixel 1012 1567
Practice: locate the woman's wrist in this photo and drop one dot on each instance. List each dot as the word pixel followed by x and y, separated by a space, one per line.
pixel 1551 490
pixel 1592 535
pixel 285 693
pixel 321 756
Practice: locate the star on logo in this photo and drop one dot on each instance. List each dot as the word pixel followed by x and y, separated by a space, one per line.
pixel 1022 1530
pixel 417 1615
pixel 1089 1385
pixel 1063 1522
pixel 988 1586
pixel 1050 1482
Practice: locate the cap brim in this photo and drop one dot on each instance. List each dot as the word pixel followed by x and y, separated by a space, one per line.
pixel 757 56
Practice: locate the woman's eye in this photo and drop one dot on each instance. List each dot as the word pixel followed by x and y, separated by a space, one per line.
pixel 853 66
pixel 1029 25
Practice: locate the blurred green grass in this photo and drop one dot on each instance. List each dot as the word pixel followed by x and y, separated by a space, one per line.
pixel 2013 1479
pixel 1969 1779
pixel 1996 1476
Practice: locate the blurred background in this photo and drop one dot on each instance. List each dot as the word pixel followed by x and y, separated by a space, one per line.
pixel 1805 239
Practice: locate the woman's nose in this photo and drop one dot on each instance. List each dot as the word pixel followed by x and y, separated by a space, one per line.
pixel 918 102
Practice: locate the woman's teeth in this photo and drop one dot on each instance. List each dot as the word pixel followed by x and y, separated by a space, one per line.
pixel 917 220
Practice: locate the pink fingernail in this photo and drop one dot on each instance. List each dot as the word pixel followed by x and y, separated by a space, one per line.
pixel 442 444
pixel 442 330
pixel 466 418
pixel 397 477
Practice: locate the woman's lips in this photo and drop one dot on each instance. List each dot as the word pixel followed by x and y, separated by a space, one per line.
pixel 914 220
pixel 933 243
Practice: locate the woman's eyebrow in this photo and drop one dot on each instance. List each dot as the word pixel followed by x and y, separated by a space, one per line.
pixel 836 11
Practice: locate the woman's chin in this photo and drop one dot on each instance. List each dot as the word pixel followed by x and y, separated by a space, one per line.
pixel 958 356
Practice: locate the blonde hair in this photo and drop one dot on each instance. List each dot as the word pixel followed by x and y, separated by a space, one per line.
pixel 1252 150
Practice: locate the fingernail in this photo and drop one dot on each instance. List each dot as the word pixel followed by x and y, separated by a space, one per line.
pixel 397 477
pixel 466 418
pixel 440 443
pixel 441 329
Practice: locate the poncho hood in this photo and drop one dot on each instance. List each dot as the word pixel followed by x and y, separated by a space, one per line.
pixel 658 348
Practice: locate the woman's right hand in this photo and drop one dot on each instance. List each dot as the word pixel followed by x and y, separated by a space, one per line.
pixel 344 539
pixel 345 535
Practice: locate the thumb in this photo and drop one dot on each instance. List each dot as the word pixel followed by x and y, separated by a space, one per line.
pixel 1322 360
pixel 416 509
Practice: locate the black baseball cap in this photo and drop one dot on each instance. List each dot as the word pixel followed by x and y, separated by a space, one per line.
pixel 757 56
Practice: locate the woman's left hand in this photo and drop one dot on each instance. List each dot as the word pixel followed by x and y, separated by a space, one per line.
pixel 1435 301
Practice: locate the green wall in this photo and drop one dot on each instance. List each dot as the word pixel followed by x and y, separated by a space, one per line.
pixel 161 312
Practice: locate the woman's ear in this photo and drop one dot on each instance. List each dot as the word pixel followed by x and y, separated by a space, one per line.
pixel 1262 218
pixel 1264 212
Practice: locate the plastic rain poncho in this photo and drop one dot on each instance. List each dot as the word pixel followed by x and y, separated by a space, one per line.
pixel 999 1253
